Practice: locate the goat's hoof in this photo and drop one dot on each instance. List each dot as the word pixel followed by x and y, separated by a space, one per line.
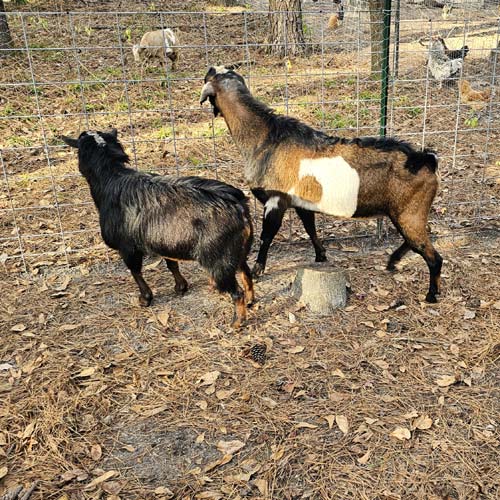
pixel 258 270
pixel 391 267
pixel 236 324
pixel 181 289
pixel 321 258
pixel 145 301
pixel 431 298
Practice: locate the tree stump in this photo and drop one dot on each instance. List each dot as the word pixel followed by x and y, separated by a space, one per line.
pixel 321 287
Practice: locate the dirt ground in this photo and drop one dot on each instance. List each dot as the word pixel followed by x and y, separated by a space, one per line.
pixel 390 398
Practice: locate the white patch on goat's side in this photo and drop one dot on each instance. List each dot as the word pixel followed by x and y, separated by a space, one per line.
pixel 271 204
pixel 98 139
pixel 339 183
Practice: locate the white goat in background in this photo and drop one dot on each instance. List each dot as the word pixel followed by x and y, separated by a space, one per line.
pixel 157 44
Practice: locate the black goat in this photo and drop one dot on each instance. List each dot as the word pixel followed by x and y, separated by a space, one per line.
pixel 179 218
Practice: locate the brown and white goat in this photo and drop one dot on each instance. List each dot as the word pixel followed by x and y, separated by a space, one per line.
pixel 289 164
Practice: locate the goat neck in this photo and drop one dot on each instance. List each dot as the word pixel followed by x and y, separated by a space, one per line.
pixel 248 126
pixel 99 169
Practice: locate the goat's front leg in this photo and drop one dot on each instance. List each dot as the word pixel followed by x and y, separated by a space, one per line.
pixel 181 284
pixel 307 218
pixel 133 260
pixel 274 210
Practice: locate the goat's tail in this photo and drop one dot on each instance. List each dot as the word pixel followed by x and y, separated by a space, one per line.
pixel 419 159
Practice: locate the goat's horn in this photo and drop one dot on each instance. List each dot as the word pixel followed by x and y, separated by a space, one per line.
pixel 420 41
pixel 235 65
pixel 208 90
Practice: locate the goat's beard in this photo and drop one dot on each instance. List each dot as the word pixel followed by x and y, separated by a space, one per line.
pixel 216 110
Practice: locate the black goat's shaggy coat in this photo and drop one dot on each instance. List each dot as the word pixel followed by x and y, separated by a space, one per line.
pixel 179 218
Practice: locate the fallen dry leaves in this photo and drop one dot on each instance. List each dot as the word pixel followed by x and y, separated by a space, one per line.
pixel 446 380
pixel 342 423
pixel 330 419
pixel 208 378
pixel 401 433
pixel 364 459
pixel 230 447
pixel 98 480
pixel 96 452
pixel 3 471
pixel 423 423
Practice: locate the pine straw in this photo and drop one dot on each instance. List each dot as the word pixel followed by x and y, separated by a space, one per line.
pixel 141 399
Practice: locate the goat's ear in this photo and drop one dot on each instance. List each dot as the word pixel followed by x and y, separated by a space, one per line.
pixel 69 141
pixel 207 91
pixel 114 133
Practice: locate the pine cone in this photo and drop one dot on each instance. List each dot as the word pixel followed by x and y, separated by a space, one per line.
pixel 258 353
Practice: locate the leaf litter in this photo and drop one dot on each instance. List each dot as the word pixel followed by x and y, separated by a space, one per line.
pixel 186 390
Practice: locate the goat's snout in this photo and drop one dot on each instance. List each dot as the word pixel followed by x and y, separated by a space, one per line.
pixel 207 91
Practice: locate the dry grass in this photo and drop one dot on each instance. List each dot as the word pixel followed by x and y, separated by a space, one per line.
pixel 92 383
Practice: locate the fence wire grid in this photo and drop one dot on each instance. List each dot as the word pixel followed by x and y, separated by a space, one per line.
pixel 73 71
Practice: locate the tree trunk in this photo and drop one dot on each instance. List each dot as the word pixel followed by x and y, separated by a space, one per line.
pixel 377 34
pixel 5 38
pixel 321 287
pixel 285 28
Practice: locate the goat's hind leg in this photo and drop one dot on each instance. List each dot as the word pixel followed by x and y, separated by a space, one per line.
pixel 225 281
pixel 307 218
pixel 397 255
pixel 414 231
pixel 246 278
pixel 133 260
pixel 434 263
pixel 181 285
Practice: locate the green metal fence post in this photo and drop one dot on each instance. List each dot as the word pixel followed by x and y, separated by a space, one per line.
pixel 385 82
pixel 385 67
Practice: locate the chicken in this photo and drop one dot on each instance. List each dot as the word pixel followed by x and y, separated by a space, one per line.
pixel 455 54
pixel 476 99
pixel 441 67
pixel 333 22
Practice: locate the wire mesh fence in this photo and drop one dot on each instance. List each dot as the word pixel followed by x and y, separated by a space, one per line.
pixel 72 71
